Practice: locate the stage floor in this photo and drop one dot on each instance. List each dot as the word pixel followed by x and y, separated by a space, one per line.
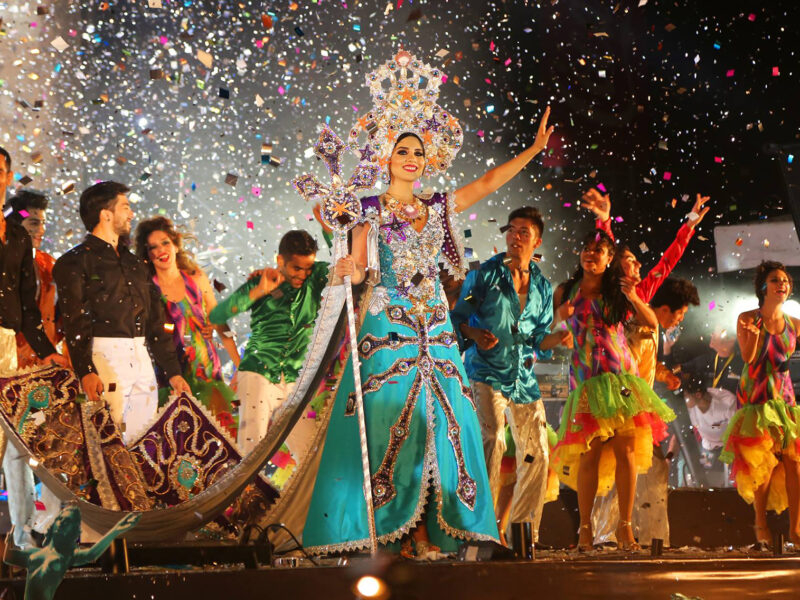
pixel 686 573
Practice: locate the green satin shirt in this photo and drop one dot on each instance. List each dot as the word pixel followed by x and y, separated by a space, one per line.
pixel 280 324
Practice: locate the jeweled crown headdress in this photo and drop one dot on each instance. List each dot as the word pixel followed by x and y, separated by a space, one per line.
pixel 408 104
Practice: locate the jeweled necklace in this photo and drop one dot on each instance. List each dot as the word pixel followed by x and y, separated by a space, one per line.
pixel 408 211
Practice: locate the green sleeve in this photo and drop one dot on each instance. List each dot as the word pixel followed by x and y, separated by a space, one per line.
pixel 238 302
pixel 320 275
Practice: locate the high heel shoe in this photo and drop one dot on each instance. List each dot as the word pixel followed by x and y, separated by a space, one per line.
pixel 425 548
pixel 407 549
pixel 626 545
pixel 762 542
pixel 585 547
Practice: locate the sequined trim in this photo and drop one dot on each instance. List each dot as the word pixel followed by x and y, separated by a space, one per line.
pixel 370 344
pixel 467 489
pixel 383 488
pixel 379 301
pixel 455 265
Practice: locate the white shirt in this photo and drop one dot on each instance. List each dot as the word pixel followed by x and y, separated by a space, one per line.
pixel 711 424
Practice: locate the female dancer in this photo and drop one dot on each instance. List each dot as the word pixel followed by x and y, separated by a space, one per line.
pixel 422 430
pixel 612 416
pixel 762 437
pixel 189 298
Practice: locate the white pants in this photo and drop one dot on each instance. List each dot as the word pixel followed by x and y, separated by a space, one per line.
pixel 258 399
pixel 529 429
pixel 130 385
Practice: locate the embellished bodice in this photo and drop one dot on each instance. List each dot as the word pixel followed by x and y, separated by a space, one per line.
pixel 408 260
pixel 768 377
pixel 598 347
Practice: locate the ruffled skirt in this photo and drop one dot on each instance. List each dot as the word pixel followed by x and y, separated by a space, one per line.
pixel 602 407
pixel 756 435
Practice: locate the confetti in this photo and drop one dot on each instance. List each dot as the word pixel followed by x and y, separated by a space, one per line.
pixel 59 44
pixel 205 58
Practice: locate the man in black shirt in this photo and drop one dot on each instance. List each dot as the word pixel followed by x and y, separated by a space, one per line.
pixel 18 312
pixel 112 314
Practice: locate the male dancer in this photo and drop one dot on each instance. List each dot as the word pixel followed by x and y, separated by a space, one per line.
pixel 503 318
pixel 113 314
pixel 28 208
pixel 283 305
pixel 18 313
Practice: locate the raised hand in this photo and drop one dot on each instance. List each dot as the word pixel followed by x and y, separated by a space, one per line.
pixel 270 279
pixel 544 132
pixel 596 202
pixel 698 210
pixel 748 326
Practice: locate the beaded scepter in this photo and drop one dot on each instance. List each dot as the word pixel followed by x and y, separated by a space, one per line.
pixel 341 211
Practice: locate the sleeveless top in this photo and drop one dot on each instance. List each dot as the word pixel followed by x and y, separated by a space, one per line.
pixel 188 316
pixel 598 347
pixel 767 377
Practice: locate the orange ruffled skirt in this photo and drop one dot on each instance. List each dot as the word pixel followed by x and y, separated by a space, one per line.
pixel 602 407
pixel 756 435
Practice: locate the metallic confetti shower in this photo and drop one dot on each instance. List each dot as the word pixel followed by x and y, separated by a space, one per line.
pixel 210 109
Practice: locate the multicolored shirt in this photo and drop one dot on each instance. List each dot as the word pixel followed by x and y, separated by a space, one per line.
pixel 188 317
pixel 767 377
pixel 597 347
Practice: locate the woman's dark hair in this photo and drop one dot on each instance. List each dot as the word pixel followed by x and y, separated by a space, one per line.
pixel 616 306
pixel 143 231
pixel 403 136
pixel 297 242
pixel 100 196
pixel 762 272
pixel 675 293
pixel 24 200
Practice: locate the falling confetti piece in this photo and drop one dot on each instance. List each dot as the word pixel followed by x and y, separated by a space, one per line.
pixel 59 44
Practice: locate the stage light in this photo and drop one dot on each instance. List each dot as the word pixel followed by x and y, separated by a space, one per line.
pixel 142 122
pixel 792 308
pixel 371 587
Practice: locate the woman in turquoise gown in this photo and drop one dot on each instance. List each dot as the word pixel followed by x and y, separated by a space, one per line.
pixel 428 475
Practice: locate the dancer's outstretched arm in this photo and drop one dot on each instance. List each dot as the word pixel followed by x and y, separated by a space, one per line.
pixel 492 180
pixel 600 205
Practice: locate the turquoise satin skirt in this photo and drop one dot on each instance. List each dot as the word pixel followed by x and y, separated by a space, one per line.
pixel 425 449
